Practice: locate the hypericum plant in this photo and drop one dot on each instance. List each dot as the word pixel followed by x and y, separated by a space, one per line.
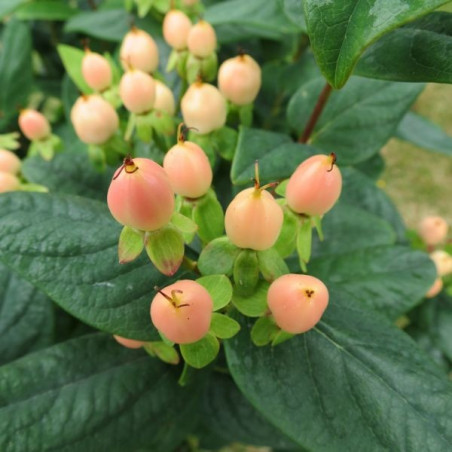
pixel 212 313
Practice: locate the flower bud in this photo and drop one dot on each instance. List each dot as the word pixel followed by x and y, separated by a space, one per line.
pixel 202 40
pixel 96 71
pixel 8 182
pixel 9 162
pixel 239 79
pixel 176 26
pixel 203 108
pixel 164 98
pixel 139 50
pixel 95 121
pixel 433 230
pixel 34 125
pixel 137 91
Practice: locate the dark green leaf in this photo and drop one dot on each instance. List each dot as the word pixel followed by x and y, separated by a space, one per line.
pixel 341 31
pixel 70 174
pixel 27 317
pixel 350 114
pixel 92 394
pixel 391 280
pixel 351 383
pixel 67 246
pixel 421 132
pixel 418 52
pixel 45 10
pixel 373 167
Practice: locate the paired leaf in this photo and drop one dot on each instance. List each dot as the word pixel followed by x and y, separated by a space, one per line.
pixel 219 288
pixel 92 394
pixel 223 326
pixel 246 272
pixel 218 257
pixel 201 353
pixel 254 305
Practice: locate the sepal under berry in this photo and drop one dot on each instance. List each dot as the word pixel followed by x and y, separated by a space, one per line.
pixel 131 244
pixel 201 353
pixel 162 351
pixel 246 272
pixel 218 257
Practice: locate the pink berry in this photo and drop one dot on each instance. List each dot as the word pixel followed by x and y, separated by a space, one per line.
pixel 182 311
pixel 9 162
pixel 239 79
pixel 95 121
pixel 203 108
pixel 443 262
pixel 188 169
pixel 129 343
pixel 34 125
pixel 433 230
pixel 164 99
pixel 139 50
pixel 140 195
pixel 297 302
pixel 137 91
pixel 176 26
pixel 436 288
pixel 253 219
pixel 202 40
pixel 315 186
pixel 8 182
pixel 96 71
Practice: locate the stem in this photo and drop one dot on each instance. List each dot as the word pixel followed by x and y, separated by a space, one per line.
pixel 324 95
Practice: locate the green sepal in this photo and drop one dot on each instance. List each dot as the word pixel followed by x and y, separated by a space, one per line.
pixel 143 7
pixel 45 148
pixel 304 242
pixel 219 288
pixel 111 95
pixel 271 264
pixel 10 141
pixel 281 188
pixel 162 123
pixel 264 331
pixel 130 245
pixel 165 248
pixel 183 223
pixel 254 305
pixel 143 126
pixel 208 215
pixel 131 123
pixel 281 336
pixel 162 351
pixel 225 142
pixel 246 114
pixel 185 208
pixel 223 326
pixel 33 187
pixel 218 257
pixel 97 157
pixel 206 68
pixel 287 239
pixel 246 272
pixel 201 353
pixel 165 339
pixel 178 60
pixel 317 219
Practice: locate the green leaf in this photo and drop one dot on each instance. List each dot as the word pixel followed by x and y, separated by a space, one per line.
pixel 92 394
pixel 246 272
pixel 421 132
pixel 218 257
pixel 67 247
pixel 418 52
pixel 350 114
pixel 340 31
pixel 271 264
pixel 254 305
pixel 163 351
pixel 72 60
pixel 352 369
pixel 287 239
pixel 208 215
pixel 27 319
pixel 8 6
pixel 304 241
pixel 277 154
pixel 219 288
pixel 201 353
pixel 68 173
pixel 16 77
pixel 388 279
pixel 263 331
pixel 130 245
pixel 45 10
pixel 225 142
pixel 223 326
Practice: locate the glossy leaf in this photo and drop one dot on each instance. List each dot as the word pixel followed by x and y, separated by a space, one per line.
pixel 27 317
pixel 351 383
pixel 418 52
pixel 67 246
pixel 78 396
pixel 340 31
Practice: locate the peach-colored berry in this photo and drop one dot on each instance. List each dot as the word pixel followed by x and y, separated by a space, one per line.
pixel 95 121
pixel 239 79
pixel 188 169
pixel 433 230
pixel 436 288
pixel 96 71
pixel 164 98
pixel 443 262
pixel 176 26
pixel 297 302
pixel 253 219
pixel 129 343
pixel 139 50
pixel 203 108
pixel 202 40
pixel 182 311
pixel 34 125
pixel 140 195
pixel 315 186
pixel 137 91
pixel 8 182
pixel 9 162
